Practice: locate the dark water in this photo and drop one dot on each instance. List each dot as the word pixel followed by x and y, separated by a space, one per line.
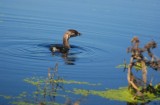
pixel 28 27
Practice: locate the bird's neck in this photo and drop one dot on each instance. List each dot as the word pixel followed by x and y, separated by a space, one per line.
pixel 66 41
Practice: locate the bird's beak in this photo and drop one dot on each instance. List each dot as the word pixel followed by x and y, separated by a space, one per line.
pixel 79 34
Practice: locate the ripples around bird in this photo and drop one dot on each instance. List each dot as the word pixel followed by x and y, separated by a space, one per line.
pixel 36 50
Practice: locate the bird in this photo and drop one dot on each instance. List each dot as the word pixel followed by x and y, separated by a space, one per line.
pixel 66 46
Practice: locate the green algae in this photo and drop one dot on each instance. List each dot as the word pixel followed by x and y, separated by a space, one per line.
pixel 121 94
pixel 137 67
pixel 37 81
pixel 6 97
pixel 53 86
pixel 45 88
pixel 22 103
pixel 21 99
pixel 81 92
pixel 29 103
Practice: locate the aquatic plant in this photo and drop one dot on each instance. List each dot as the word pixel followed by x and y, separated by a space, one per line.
pixel 46 90
pixel 37 81
pixel 139 87
pixel 137 66
pixel 121 94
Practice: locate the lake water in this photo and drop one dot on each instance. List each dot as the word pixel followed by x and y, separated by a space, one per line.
pixel 29 27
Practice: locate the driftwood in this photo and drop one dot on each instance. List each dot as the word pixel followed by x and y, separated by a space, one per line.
pixel 137 57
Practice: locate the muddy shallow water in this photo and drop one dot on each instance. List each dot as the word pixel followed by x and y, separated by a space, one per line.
pixel 29 27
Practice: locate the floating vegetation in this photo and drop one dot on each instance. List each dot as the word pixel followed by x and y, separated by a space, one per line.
pixel 81 92
pixel 46 90
pixel 5 96
pixel 41 103
pixel 37 81
pixel 121 94
pixel 137 66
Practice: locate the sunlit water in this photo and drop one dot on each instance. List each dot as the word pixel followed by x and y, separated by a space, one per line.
pixel 29 27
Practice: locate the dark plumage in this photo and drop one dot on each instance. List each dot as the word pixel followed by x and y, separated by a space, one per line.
pixel 66 46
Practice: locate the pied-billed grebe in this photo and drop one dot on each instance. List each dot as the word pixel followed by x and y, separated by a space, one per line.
pixel 66 46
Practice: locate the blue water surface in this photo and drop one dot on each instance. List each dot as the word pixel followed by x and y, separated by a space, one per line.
pixel 28 27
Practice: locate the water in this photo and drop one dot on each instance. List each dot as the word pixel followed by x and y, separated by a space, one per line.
pixel 28 27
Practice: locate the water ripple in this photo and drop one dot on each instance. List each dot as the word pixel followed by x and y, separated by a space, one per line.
pixel 23 49
pixel 36 50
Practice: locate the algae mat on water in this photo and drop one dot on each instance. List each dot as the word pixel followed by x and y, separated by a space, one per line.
pixel 121 94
